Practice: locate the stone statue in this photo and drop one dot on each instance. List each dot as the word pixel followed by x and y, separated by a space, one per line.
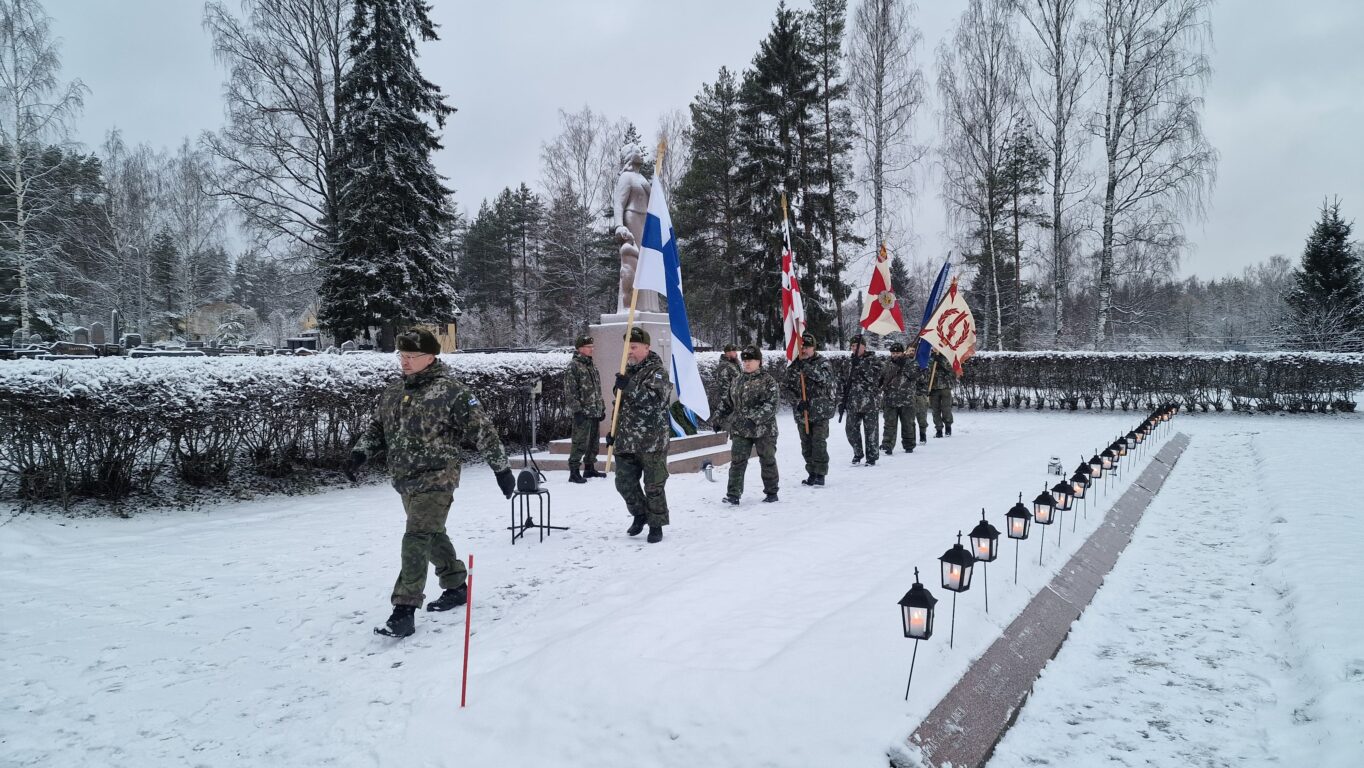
pixel 631 205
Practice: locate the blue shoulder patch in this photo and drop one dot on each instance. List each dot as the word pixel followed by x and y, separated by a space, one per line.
pixel 473 401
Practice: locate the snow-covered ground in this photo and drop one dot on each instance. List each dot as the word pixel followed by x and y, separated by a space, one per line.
pixel 1229 633
pixel 763 635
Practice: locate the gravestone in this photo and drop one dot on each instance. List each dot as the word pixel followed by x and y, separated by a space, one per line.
pixel 97 333
pixel 348 345
pixel 80 335
pixel 132 340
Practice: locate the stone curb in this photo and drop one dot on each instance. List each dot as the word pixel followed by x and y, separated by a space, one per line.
pixel 963 729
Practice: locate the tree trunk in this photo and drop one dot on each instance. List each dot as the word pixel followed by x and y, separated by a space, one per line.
pixel 1017 341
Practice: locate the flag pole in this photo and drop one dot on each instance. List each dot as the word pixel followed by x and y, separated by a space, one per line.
pixel 800 340
pixel 933 369
pixel 629 326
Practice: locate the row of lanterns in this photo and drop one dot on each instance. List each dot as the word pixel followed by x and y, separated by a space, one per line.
pixel 958 563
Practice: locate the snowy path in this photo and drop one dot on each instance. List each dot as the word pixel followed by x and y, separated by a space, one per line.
pixel 762 635
pixel 1191 654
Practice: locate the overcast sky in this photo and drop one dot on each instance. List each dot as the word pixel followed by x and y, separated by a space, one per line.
pixel 1285 106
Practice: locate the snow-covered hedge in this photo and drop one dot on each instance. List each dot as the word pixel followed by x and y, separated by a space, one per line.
pixel 1208 381
pixel 103 428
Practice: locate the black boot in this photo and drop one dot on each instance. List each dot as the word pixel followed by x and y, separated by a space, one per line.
pixel 871 462
pixel 909 448
pixel 450 598
pixel 949 430
pixel 938 432
pixel 636 526
pixel 923 436
pixel 728 499
pixel 590 471
pixel 655 534
pixel 809 480
pixel 857 459
pixel 401 623
pixel 574 477
pixel 769 498
pixel 819 480
pixel 887 450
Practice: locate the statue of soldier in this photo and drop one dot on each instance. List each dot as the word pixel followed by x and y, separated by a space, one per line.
pixel 810 386
pixel 862 402
pixel 641 437
pixel 419 424
pixel 898 385
pixel 630 208
pixel 582 397
pixel 750 407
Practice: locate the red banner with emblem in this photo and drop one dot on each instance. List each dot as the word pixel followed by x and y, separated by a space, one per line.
pixel 952 329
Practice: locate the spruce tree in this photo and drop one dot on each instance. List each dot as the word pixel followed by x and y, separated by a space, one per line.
pixel 1326 301
pixel 388 269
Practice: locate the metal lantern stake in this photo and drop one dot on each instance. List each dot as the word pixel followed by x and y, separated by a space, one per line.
pixel 957 566
pixel 1018 522
pixel 1043 513
pixel 1064 501
pixel 916 611
pixel 1079 488
pixel 985 548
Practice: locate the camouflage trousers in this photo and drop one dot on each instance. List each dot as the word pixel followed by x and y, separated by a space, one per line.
pixel 651 468
pixel 814 446
pixel 862 430
pixel 585 442
pixel 899 416
pixel 941 402
pixel 921 412
pixel 425 541
pixel 740 449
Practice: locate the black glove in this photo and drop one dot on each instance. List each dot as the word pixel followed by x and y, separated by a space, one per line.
pixel 610 440
pixel 622 379
pixel 506 482
pixel 841 411
pixel 357 460
pixel 802 406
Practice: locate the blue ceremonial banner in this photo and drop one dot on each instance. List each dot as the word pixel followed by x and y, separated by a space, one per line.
pixel 924 351
pixel 660 270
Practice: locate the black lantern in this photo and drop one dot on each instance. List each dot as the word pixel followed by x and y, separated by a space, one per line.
pixel 1139 434
pixel 957 567
pixel 1078 484
pixel 1120 447
pixel 1018 522
pixel 1096 467
pixel 1044 508
pixel 1107 457
pixel 1131 439
pixel 916 611
pixel 1062 493
pixel 984 547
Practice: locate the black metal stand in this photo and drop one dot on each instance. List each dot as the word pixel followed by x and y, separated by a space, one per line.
pixel 520 510
pixel 985 567
pixel 1060 528
pixel 1018 544
pixel 952 635
pixel 911 668
pixel 1041 542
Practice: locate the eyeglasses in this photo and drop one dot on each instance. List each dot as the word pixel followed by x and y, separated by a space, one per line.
pixel 413 356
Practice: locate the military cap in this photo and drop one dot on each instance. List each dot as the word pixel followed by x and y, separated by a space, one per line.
pixel 582 341
pixel 857 339
pixel 731 348
pixel 808 339
pixel 896 346
pixel 751 353
pixel 418 339
pixel 637 335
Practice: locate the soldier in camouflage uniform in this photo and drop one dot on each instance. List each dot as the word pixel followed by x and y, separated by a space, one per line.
pixel 862 402
pixel 641 437
pixel 921 403
pixel 815 400
pixel 751 410
pixel 940 394
pixel 726 371
pixel 582 395
pixel 898 384
pixel 418 425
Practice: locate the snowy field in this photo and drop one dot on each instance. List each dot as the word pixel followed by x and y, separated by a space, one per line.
pixel 763 635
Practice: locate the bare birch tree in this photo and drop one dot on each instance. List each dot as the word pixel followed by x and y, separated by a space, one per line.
pixel 1153 65
pixel 35 106
pixel 196 219
pixel 1059 60
pixel 886 90
pixel 285 59
pixel 674 127
pixel 979 72
pixel 586 156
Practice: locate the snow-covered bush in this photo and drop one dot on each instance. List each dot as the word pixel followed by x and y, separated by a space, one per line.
pixel 103 428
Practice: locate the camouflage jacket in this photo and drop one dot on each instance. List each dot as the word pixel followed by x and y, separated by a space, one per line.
pixel 725 374
pixel 899 380
pixel 643 422
pixel 942 374
pixel 862 384
pixel 582 388
pixel 420 422
pixel 750 408
pixel 819 385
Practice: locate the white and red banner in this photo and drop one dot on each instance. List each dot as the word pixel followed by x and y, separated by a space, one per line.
pixel 881 307
pixel 952 329
pixel 792 307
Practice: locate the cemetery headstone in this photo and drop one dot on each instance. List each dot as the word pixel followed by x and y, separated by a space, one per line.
pixel 80 335
pixel 97 333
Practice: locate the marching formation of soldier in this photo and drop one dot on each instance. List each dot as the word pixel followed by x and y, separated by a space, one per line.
pixel 422 419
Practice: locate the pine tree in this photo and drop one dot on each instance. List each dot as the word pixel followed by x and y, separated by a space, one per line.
pixel 710 210
pixel 1326 302
pixel 388 269
pixel 1024 166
